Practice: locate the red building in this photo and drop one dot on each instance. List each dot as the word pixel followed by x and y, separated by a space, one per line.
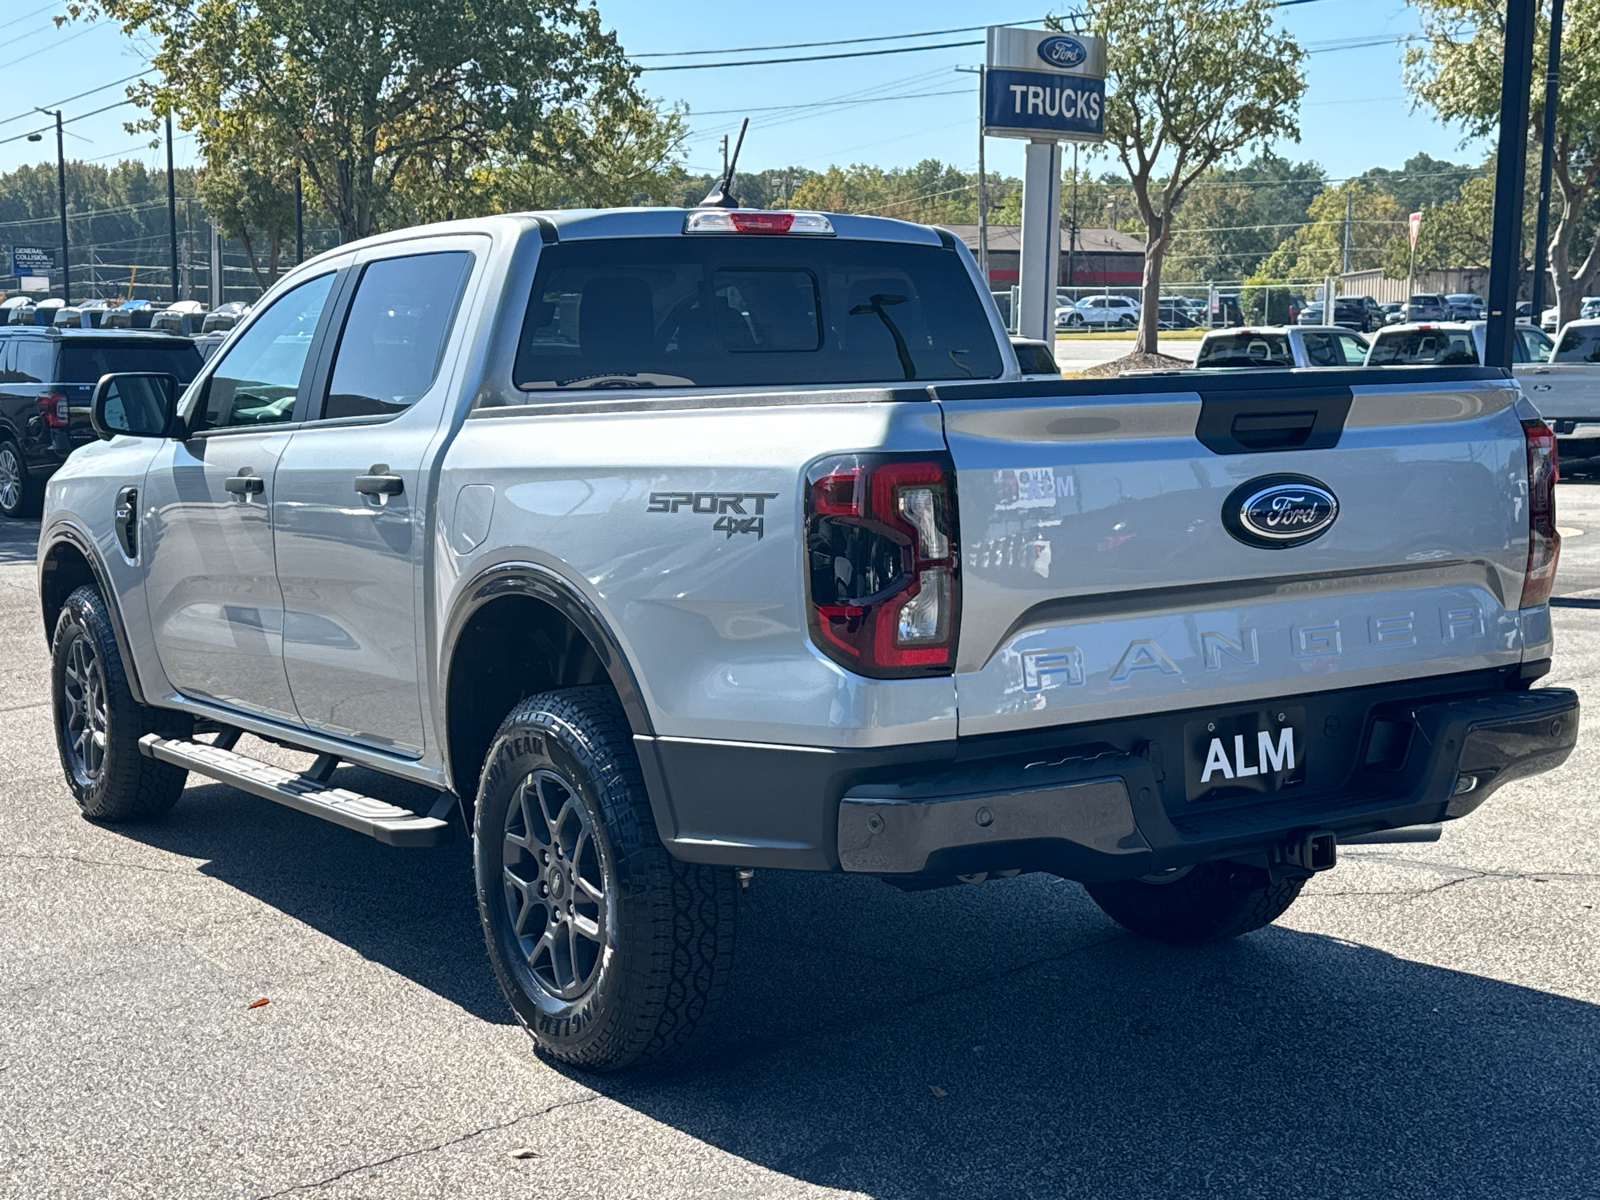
pixel 1101 256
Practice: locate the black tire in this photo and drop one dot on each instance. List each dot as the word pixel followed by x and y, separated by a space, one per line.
pixel 1126 321
pixel 99 723
pixel 19 494
pixel 1210 902
pixel 648 939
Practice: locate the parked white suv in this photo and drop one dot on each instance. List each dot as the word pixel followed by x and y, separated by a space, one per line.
pixel 1108 311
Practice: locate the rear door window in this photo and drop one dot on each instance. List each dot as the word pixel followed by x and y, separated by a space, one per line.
pixel 1322 350
pixel 85 362
pixel 1353 349
pixel 35 361
pixel 1579 344
pixel 742 311
pixel 1535 346
pixel 1433 347
pixel 395 333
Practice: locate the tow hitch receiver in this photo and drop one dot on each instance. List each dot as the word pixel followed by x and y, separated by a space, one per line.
pixel 1315 852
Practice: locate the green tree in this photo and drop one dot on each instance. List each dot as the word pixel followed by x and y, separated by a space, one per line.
pixel 251 198
pixel 1456 72
pixel 387 105
pixel 1316 249
pixel 1422 181
pixel 1190 83
pixel 1236 216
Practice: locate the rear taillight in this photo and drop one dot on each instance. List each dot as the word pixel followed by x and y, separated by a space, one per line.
pixel 53 408
pixel 883 564
pixel 1544 541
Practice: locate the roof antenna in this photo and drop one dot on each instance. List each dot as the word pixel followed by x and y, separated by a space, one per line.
pixel 722 195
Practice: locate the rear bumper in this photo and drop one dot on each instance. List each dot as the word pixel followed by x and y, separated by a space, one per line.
pixel 1106 801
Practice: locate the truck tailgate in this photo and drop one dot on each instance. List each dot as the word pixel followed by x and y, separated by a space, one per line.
pixel 1100 578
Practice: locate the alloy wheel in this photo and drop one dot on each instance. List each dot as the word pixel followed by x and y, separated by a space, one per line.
pixel 83 687
pixel 10 477
pixel 555 884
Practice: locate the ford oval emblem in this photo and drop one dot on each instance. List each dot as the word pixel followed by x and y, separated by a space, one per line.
pixel 1064 52
pixel 1278 511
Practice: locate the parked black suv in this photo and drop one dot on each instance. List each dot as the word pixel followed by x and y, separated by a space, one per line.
pixel 47 376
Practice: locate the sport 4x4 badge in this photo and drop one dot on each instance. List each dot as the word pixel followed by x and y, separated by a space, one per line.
pixel 728 507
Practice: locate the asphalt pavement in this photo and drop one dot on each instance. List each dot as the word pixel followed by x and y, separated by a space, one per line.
pixel 1079 352
pixel 1424 1022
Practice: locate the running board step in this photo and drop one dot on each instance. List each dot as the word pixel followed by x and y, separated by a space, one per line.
pixel 388 823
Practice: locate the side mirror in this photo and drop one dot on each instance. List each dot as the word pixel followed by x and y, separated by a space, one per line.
pixel 136 404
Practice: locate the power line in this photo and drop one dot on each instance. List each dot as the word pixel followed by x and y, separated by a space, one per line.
pixel 767 62
pixel 722 112
pixel 94 112
pixel 58 103
pixel 887 37
pixel 29 16
pixel 52 46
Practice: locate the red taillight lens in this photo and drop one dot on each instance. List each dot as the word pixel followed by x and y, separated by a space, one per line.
pixel 1544 541
pixel 883 564
pixel 53 408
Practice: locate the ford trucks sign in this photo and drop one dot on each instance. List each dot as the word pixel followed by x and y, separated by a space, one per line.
pixel 1063 52
pixel 1278 511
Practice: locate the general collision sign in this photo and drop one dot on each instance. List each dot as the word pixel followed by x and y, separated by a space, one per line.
pixel 1057 99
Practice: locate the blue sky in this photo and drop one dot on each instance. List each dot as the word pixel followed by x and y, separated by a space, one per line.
pixel 1355 112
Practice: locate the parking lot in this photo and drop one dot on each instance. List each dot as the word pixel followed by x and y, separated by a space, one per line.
pixel 1424 1022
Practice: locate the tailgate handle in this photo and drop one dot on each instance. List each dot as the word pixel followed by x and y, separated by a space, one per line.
pixel 1273 431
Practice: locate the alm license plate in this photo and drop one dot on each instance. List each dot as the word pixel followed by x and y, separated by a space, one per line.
pixel 1244 754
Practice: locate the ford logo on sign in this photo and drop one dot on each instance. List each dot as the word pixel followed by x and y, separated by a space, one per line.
pixel 1064 52
pixel 1278 511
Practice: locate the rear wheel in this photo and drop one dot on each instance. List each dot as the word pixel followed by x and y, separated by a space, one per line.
pixel 99 723
pixel 1126 321
pixel 18 495
pixel 1208 902
pixel 609 950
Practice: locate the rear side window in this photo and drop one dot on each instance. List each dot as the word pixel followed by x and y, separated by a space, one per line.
pixel 1322 350
pixel 85 362
pixel 1433 347
pixel 1579 345
pixel 1534 345
pixel 1352 347
pixel 742 311
pixel 35 361
pixel 1246 350
pixel 395 334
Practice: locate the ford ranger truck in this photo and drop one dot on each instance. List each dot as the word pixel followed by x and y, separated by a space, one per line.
pixel 671 545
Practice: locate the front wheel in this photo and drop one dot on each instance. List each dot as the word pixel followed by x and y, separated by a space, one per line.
pixel 609 950
pixel 99 723
pixel 1208 902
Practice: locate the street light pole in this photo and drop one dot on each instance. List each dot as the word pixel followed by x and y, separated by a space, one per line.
pixel 1505 247
pixel 1552 98
pixel 172 212
pixel 61 187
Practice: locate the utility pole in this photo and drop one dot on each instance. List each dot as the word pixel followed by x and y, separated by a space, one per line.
pixel 299 220
pixel 1349 200
pixel 61 187
pixel 172 212
pixel 216 266
pixel 1505 250
pixel 1552 98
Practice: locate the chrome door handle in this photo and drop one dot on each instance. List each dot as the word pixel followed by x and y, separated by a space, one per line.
pixel 244 483
pixel 379 482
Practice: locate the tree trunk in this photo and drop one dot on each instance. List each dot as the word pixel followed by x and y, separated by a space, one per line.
pixel 1155 251
pixel 1571 286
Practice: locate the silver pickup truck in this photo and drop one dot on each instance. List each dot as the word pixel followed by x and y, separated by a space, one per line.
pixel 671 545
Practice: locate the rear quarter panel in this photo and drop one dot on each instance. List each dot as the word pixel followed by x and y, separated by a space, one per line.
pixel 713 622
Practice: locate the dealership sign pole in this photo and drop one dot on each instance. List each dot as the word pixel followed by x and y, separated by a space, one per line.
pixel 1047 88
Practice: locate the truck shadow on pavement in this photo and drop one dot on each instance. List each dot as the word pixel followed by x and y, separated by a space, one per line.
pixel 1008 1040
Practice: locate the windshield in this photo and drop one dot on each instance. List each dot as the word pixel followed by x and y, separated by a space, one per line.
pixel 741 311
pixel 1246 350
pixel 1579 344
pixel 1436 347
pixel 85 362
